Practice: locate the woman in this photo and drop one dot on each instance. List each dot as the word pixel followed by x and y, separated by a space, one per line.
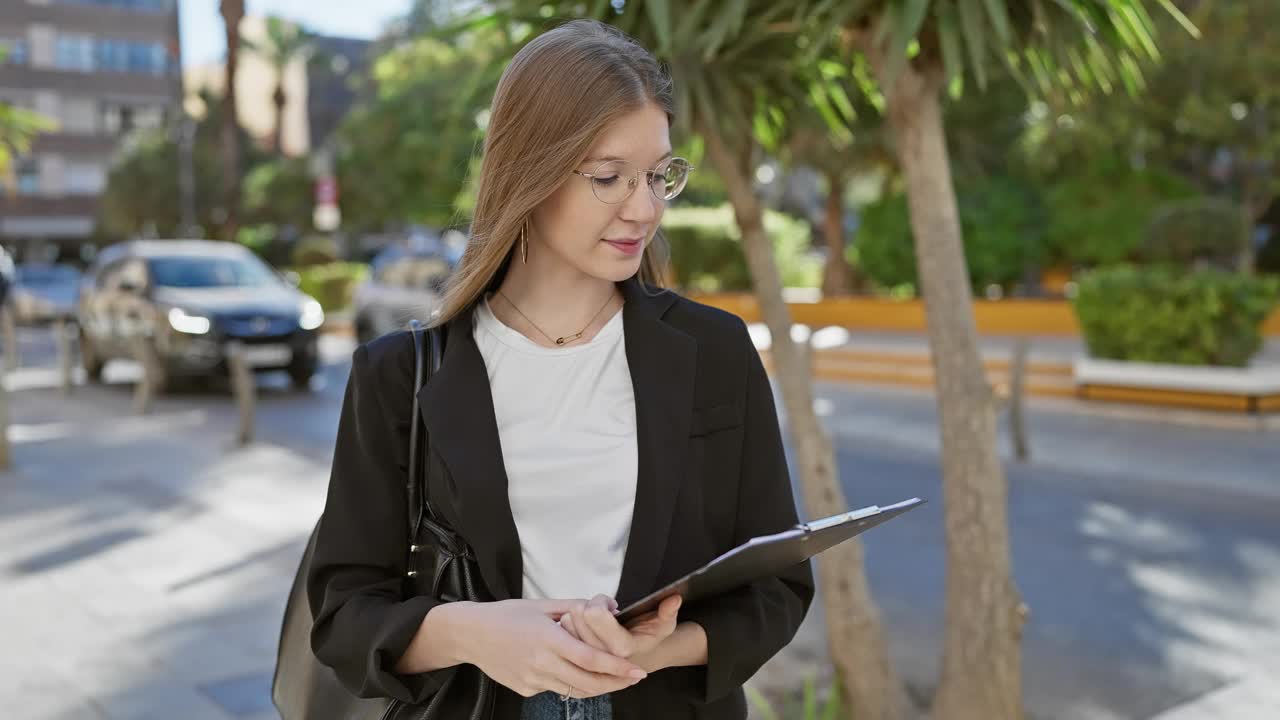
pixel 592 436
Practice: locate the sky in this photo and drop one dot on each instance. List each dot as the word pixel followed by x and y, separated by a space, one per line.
pixel 203 40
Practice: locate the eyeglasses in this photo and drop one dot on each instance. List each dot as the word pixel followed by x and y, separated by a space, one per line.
pixel 615 180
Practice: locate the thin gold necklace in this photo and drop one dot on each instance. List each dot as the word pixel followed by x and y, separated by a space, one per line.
pixel 566 338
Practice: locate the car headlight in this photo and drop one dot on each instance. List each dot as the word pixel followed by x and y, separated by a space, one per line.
pixel 312 315
pixel 184 322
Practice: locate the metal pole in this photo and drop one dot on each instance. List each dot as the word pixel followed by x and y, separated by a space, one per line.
pixel 5 458
pixel 62 335
pixel 1017 420
pixel 245 390
pixel 144 391
pixel 12 354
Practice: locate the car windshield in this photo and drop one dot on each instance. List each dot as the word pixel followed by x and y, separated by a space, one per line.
pixel 210 272
pixel 46 275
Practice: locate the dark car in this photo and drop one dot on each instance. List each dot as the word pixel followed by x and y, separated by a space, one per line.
pixel 404 284
pixel 193 297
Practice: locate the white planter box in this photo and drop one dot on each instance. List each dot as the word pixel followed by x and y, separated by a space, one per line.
pixel 1256 381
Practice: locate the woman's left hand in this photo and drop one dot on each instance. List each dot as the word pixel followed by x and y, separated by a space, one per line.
pixel 596 625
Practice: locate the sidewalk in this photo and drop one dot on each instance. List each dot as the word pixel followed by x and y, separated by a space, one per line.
pixel 1256 697
pixel 144 562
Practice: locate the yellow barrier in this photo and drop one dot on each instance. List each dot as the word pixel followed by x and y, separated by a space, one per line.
pixel 993 317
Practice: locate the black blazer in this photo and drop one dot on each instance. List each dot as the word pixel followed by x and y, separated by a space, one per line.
pixel 712 474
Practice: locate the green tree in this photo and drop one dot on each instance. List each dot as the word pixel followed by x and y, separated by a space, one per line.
pixel 279 192
pixel 141 193
pixel 838 133
pixel 284 43
pixel 405 155
pixel 917 49
pixel 18 128
pixel 1208 112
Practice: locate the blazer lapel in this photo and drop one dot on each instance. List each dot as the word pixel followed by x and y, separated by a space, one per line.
pixel 662 361
pixel 457 407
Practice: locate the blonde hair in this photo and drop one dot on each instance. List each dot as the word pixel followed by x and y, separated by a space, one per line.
pixel 555 97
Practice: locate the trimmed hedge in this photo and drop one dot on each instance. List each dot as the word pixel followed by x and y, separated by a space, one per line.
pixel 332 284
pixel 1165 315
pixel 1001 221
pixel 706 249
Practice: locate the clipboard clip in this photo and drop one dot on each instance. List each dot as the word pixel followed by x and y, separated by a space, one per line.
pixel 841 519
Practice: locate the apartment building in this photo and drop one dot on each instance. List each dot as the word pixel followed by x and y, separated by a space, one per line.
pixel 98 68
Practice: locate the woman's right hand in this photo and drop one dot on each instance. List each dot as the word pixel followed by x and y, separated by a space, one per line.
pixel 520 644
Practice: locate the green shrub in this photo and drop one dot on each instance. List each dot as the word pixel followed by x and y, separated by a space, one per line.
pixel 883 243
pixel 1202 231
pixel 332 284
pixel 706 249
pixel 257 238
pixel 1001 221
pixel 1165 315
pixel 315 250
pixel 1268 259
pixel 1098 215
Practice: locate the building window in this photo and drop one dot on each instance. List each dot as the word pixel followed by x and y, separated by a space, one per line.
pixel 79 115
pixel 14 51
pixel 74 52
pixel 149 5
pixel 118 118
pixel 84 179
pixel 87 54
pixel 28 176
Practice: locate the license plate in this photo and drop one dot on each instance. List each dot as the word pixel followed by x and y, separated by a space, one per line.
pixel 267 355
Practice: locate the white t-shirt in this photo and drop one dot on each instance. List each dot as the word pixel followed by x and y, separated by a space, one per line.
pixel 567 424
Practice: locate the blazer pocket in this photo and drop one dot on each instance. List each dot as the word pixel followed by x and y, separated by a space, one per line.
pixel 709 419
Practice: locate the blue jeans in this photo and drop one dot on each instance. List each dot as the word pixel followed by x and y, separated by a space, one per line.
pixel 549 706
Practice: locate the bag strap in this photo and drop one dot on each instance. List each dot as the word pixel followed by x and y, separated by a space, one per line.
pixel 428 351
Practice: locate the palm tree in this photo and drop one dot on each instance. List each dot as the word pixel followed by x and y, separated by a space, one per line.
pixel 917 49
pixel 838 134
pixel 284 43
pixel 735 69
pixel 232 13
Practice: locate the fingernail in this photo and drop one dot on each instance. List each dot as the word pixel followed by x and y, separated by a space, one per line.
pixel 639 674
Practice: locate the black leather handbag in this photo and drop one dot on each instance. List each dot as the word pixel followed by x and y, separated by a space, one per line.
pixel 440 564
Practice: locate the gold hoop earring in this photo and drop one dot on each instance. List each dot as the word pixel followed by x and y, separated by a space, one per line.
pixel 524 242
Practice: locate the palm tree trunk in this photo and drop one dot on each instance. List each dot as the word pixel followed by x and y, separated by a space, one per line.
pixel 232 13
pixel 854 631
pixel 278 99
pixel 835 273
pixel 981 664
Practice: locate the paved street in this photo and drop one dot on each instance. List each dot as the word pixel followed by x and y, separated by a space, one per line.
pixel 144 560
pixel 1144 591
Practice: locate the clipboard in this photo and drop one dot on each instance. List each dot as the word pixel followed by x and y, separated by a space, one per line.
pixel 767 555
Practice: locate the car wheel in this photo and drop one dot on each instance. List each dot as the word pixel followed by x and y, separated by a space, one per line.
pixel 89 359
pixel 301 372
